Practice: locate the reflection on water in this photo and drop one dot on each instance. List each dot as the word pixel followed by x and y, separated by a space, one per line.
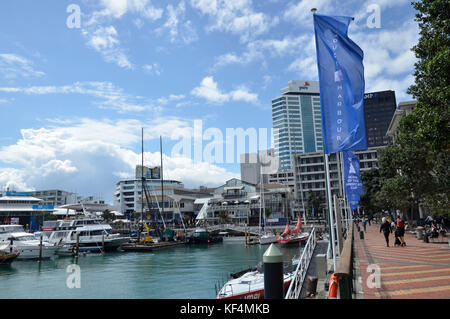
pixel 176 273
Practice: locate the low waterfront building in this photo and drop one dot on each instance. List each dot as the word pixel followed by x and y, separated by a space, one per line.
pixel 239 202
pixel 178 202
pixel 128 193
pixel 90 200
pixel 55 197
pixel 23 209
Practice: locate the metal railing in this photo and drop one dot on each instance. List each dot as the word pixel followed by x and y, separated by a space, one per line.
pixel 300 273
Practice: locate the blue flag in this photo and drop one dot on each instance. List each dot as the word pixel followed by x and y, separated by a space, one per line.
pixel 341 77
pixel 352 178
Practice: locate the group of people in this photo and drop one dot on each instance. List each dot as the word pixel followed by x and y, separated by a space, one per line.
pixel 398 228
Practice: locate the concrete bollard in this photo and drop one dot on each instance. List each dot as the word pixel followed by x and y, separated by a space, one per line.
pixel 361 235
pixel 273 273
pixel 311 286
pixel 321 265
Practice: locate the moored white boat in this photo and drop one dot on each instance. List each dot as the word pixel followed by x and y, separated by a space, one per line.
pixel 267 238
pixel 25 243
pixel 7 254
pixel 248 286
pixel 90 232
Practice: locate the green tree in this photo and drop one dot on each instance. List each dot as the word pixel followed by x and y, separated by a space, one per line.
pixel 428 125
pixel 372 181
pixel 414 171
pixel 223 216
pixel 108 216
pixel 267 213
pixel 313 199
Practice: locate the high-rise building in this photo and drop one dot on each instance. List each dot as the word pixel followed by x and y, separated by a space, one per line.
pixel 252 168
pixel 297 121
pixel 148 172
pixel 379 108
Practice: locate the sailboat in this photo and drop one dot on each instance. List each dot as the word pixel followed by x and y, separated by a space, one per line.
pixel 295 236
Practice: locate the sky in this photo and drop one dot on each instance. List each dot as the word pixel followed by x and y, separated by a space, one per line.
pixel 80 78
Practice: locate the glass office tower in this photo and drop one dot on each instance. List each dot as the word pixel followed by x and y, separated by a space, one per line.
pixel 297 121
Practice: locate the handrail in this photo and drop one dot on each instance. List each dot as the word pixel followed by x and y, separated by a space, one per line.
pixel 345 262
pixel 300 272
pixel 344 270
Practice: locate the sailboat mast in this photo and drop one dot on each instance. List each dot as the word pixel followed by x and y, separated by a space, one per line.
pixel 162 179
pixel 260 198
pixel 142 176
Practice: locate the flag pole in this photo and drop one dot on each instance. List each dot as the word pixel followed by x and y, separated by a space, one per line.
pixel 330 206
pixel 330 210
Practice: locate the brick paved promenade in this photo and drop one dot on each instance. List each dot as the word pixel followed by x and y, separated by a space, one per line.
pixel 418 271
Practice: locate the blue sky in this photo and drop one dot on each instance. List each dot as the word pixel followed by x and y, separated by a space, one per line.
pixel 73 100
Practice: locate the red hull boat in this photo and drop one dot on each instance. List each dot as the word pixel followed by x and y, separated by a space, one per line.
pixel 289 237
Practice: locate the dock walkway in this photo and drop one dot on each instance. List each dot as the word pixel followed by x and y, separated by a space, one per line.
pixel 418 271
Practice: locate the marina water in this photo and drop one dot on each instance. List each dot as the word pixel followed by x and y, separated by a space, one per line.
pixel 174 273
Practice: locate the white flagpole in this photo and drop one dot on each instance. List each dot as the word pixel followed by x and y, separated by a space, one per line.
pixel 344 195
pixel 260 196
pixel 330 209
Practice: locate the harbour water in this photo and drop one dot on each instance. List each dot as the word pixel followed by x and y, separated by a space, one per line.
pixel 186 272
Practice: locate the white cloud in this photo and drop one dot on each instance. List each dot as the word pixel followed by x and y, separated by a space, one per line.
pixel 300 12
pixel 13 66
pixel 260 49
pixel 176 26
pixel 110 96
pixel 89 156
pixel 209 90
pixel 118 8
pixel 105 41
pixel 153 68
pixel 105 38
pixel 236 17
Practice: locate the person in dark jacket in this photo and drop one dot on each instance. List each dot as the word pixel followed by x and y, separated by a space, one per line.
pixel 386 229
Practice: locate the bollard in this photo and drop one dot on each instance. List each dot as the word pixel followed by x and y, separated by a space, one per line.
pixel 77 245
pixel 273 273
pixel 40 250
pixel 419 234
pixel 361 235
pixel 311 286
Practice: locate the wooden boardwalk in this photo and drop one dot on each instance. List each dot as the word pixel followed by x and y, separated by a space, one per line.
pixel 418 271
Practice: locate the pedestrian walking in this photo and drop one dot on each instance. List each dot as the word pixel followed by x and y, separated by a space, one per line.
pixel 364 222
pixel 386 229
pixel 401 231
